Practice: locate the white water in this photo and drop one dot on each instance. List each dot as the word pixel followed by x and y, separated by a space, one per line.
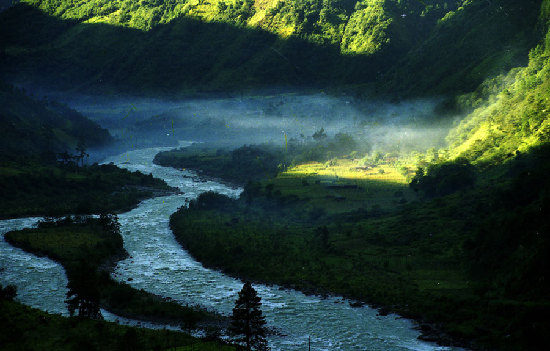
pixel 158 264
pixel 41 283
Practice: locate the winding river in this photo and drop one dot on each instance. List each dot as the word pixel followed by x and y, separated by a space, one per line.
pixel 158 264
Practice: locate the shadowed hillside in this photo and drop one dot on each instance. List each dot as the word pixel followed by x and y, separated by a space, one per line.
pixel 170 47
pixel 39 129
pixel 184 55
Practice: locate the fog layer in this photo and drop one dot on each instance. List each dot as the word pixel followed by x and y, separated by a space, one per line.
pixel 231 122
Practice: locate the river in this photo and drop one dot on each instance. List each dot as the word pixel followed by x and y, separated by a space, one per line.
pixel 158 264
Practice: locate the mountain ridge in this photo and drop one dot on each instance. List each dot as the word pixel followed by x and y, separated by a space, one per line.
pixel 234 45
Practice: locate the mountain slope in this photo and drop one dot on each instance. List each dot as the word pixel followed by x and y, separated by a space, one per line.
pixel 33 128
pixel 356 26
pixel 510 113
pixel 180 46
pixel 479 40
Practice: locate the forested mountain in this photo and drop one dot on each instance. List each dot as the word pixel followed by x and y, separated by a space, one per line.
pixel 489 58
pixel 472 215
pixel 410 47
pixel 510 113
pixel 40 128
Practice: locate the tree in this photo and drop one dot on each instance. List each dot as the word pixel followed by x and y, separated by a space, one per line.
pixel 444 178
pixel 83 295
pixel 319 135
pixel 81 153
pixel 64 157
pixel 248 323
pixel 322 234
pixel 8 293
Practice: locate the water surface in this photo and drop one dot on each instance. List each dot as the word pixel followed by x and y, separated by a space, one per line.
pixel 158 264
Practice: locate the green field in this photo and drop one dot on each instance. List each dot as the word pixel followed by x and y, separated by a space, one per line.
pixel 343 185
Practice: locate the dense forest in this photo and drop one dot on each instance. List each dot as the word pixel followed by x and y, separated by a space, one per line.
pixel 454 236
pixel 39 128
pixel 408 47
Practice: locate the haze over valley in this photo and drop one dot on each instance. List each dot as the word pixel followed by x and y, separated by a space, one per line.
pixel 284 175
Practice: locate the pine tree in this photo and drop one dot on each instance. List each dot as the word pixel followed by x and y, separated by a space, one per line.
pixel 83 295
pixel 248 323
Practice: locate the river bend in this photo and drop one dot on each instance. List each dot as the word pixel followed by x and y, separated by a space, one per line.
pixel 158 264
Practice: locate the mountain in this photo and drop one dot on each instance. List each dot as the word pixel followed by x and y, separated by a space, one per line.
pixel 510 113
pixel 409 47
pixel 488 57
pixel 39 129
pixel 483 203
pixel 476 41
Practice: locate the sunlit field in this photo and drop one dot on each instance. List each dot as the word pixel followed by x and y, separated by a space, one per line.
pixel 386 154
pixel 343 185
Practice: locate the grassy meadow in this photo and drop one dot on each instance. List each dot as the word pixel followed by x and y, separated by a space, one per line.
pixel 344 185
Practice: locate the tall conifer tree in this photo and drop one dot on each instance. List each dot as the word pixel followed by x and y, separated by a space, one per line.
pixel 248 323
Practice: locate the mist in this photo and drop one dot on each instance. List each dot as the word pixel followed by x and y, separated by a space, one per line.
pixel 230 122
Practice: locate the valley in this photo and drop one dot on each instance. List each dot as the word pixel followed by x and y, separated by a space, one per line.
pixel 378 169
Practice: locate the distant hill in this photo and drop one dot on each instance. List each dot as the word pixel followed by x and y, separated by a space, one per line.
pixel 410 47
pixel 32 128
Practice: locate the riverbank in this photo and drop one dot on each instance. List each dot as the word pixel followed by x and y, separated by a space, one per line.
pixel 432 261
pixel 26 328
pixel 56 190
pixel 292 211
pixel 237 167
pixel 266 251
pixel 88 249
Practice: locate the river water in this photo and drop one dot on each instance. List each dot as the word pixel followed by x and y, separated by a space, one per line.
pixel 158 264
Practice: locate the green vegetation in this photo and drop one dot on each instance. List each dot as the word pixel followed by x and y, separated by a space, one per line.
pixel 248 323
pixel 509 113
pixel 470 43
pixel 444 178
pixel 238 166
pixel 257 162
pixel 322 22
pixel 463 249
pixel 109 46
pixel 87 248
pixel 33 129
pixel 459 261
pixel 469 259
pixel 25 328
pixel 43 151
pixel 37 189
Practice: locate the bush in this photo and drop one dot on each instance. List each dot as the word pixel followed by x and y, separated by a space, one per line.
pixel 444 178
pixel 8 293
pixel 210 200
